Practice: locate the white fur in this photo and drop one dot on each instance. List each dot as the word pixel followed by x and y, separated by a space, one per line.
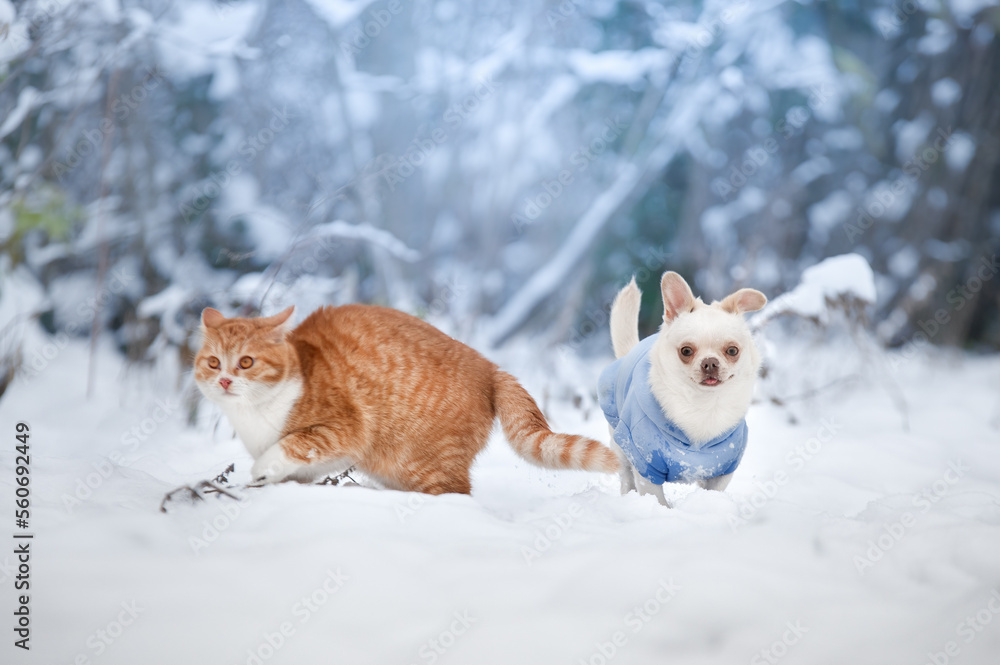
pixel 625 319
pixel 643 486
pixel 257 412
pixel 273 466
pixel 703 412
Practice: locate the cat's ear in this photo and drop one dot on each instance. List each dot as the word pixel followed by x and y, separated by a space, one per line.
pixel 211 318
pixel 279 324
pixel 278 319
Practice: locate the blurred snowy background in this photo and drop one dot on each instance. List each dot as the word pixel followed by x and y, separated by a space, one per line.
pixel 502 165
pixel 501 169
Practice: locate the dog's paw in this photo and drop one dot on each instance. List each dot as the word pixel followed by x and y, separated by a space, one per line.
pixel 273 466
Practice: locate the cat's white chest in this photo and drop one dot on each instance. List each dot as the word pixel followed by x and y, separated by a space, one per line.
pixel 260 425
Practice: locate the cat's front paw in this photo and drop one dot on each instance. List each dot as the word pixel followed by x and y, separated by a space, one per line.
pixel 273 466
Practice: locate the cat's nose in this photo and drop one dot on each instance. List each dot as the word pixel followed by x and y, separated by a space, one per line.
pixel 225 383
pixel 710 365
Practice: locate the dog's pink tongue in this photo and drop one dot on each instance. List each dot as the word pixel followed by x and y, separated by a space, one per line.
pixel 710 381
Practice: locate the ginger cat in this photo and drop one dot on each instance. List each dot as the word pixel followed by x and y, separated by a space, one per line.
pixel 376 388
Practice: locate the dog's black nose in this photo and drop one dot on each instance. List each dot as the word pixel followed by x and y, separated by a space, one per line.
pixel 710 365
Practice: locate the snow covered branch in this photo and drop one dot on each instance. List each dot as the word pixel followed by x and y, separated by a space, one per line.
pixel 367 233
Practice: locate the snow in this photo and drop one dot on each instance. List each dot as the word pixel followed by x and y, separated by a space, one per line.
pixel 960 151
pixel 14 38
pixel 938 39
pixel 967 9
pixel 559 93
pixel 196 36
pixel 848 138
pixel 368 233
pixel 922 287
pixel 811 169
pixel 338 13
pixel 946 92
pixel 364 107
pixel 67 295
pixel 26 100
pixel 844 275
pixel 937 198
pixel 892 198
pixel 21 296
pixel 307 292
pixel 718 221
pixel 269 229
pixel 886 100
pixel 165 307
pixel 829 213
pixel 983 34
pixel 616 66
pixel 911 134
pixel 603 207
pixel 947 252
pixel 536 566
pixel 545 280
pixel 904 263
pixel 699 81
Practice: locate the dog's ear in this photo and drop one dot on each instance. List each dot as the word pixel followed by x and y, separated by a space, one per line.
pixel 677 296
pixel 744 300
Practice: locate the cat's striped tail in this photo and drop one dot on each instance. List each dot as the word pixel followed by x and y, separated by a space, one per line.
pixel 530 437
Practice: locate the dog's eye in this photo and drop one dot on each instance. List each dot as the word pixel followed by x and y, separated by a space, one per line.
pixel 687 351
pixel 246 362
pixel 213 362
pixel 733 351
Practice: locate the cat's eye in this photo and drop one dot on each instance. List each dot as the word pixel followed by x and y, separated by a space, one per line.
pixel 687 351
pixel 246 362
pixel 213 362
pixel 733 351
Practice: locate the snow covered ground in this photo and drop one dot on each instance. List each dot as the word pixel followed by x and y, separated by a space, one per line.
pixel 842 539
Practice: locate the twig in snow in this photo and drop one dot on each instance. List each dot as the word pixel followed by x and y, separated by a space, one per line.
pixel 338 478
pixel 104 249
pixel 224 476
pixel 813 392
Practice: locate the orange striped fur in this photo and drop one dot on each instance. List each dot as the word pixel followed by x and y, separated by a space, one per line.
pixel 407 404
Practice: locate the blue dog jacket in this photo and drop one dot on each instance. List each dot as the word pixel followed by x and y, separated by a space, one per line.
pixel 656 446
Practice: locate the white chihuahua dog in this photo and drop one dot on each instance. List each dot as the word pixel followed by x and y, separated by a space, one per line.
pixel 677 401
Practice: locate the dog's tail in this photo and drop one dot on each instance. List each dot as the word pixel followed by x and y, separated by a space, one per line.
pixel 530 437
pixel 625 319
